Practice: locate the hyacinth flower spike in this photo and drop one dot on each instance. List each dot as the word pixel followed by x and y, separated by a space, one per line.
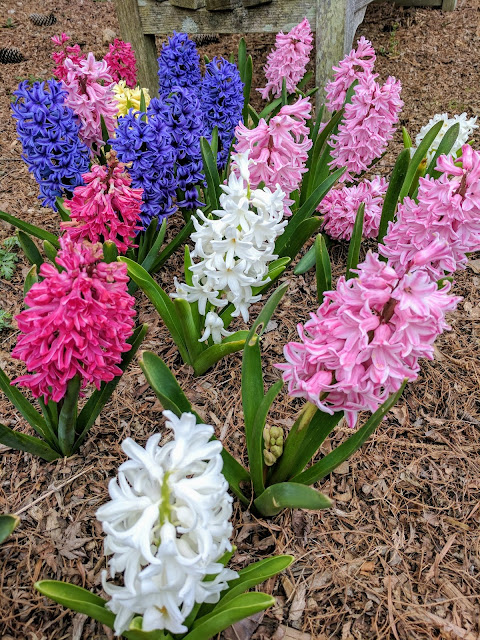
pixel 168 531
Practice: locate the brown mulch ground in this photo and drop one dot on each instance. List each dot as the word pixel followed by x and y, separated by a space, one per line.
pixel 398 556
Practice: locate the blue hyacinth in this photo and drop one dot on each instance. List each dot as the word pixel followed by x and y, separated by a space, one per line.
pixel 180 111
pixel 179 64
pixel 147 145
pixel 222 103
pixel 48 131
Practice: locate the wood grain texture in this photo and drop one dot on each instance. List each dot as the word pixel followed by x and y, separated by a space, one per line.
pixel 188 4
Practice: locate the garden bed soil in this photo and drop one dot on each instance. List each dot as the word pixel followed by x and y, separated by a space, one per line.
pixel 398 554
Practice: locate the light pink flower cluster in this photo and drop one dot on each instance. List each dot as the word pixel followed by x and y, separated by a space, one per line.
pixel 368 125
pixel 444 225
pixel 359 60
pixel 90 95
pixel 278 151
pixel 366 338
pixel 340 208
pixel 77 322
pixel 106 208
pixel 72 52
pixel 122 64
pixel 288 60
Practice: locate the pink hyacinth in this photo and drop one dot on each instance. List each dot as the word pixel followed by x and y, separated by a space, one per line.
pixel 288 60
pixel 279 149
pixel 340 208
pixel 73 53
pixel 106 208
pixel 76 322
pixel 121 62
pixel 368 125
pixel 90 96
pixel 444 226
pixel 366 338
pixel 359 60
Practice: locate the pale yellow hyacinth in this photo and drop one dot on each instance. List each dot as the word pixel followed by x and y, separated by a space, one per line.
pixel 129 98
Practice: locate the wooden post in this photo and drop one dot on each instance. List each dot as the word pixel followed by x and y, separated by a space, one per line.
pixel 330 40
pixel 143 44
pixel 449 5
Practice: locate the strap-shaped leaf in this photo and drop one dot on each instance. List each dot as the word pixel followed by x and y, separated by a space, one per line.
pixel 31 229
pixel 323 268
pixel 63 212
pixel 27 443
pixel 394 187
pixel 407 141
pixel 110 252
pixel 303 232
pixel 165 385
pixel 214 353
pixel 30 280
pixel 30 249
pixel 76 598
pixel 272 106
pixel 8 523
pixel 355 242
pixel 211 174
pixel 171 247
pixel 239 608
pixel 189 327
pixel 444 148
pixel 331 461
pixel 154 250
pixel 51 253
pixel 290 495
pixel 146 240
pixel 68 416
pixel 253 115
pixel 418 156
pixel 28 411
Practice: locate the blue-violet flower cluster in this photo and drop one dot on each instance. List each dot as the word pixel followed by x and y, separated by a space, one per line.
pixel 179 64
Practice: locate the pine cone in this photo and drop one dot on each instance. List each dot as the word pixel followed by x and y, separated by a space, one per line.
pixel 41 20
pixel 201 39
pixel 10 55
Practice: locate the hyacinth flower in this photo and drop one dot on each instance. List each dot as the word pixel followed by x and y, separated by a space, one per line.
pixel 129 98
pixel 179 64
pixel 77 330
pixel 121 62
pixel 466 128
pixel 168 531
pixel 232 263
pixel 49 133
pixel 73 52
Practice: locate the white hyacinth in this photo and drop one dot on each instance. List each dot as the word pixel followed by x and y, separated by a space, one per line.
pixel 467 126
pixel 167 525
pixel 233 249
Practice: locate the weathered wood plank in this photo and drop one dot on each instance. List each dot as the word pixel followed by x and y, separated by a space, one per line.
pixel 188 4
pixel 330 34
pixel 418 3
pixel 449 5
pixel 281 15
pixel 143 45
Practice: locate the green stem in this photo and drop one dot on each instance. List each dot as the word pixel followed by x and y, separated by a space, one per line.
pixel 68 417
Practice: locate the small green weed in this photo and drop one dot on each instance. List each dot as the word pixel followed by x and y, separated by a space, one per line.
pixel 8 24
pixel 393 44
pixel 5 320
pixel 8 259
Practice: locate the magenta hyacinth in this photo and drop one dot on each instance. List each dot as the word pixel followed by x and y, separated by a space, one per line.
pixel 366 338
pixel 77 321
pixel 444 226
pixel 340 207
pixel 359 60
pixel 368 125
pixel 279 149
pixel 122 64
pixel 106 208
pixel 288 60
pixel 74 53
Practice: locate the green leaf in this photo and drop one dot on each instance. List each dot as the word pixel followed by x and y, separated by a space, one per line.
pixel 394 187
pixel 331 461
pixel 165 385
pixel 172 246
pixel 161 301
pixel 110 252
pixel 304 232
pixel 31 415
pixel 77 599
pixel 253 115
pixel 418 158
pixel 189 329
pixel 51 253
pixel 30 249
pixel 68 416
pixel 145 239
pixel 23 442
pixel 284 92
pixel 62 210
pixel 270 107
pixel 105 135
pixel 355 243
pixel 290 495
pixel 30 280
pixel 407 141
pixel 239 608
pixel 7 525
pixel 216 352
pixel 100 397
pixel 323 268
pixel 31 229
pixel 444 148
pixel 154 250
pixel 211 174
pixel 143 102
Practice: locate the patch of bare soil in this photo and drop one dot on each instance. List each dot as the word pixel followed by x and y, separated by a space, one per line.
pixel 398 554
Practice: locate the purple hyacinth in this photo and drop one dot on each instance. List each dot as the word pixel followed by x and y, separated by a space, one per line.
pixel 179 64
pixel 147 145
pixel 48 131
pixel 180 111
pixel 222 103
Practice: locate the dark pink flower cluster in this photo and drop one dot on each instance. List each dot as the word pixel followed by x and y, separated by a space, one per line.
pixel 359 60
pixel 288 60
pixel 72 52
pixel 340 208
pixel 445 224
pixel 278 151
pixel 77 322
pixel 106 208
pixel 366 338
pixel 122 63
pixel 368 125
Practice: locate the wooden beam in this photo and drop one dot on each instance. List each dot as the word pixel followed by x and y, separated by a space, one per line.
pixel 330 40
pixel 144 46
pixel 449 5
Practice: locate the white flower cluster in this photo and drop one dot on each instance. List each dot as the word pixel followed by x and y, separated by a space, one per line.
pixel 167 525
pixel 466 129
pixel 234 249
